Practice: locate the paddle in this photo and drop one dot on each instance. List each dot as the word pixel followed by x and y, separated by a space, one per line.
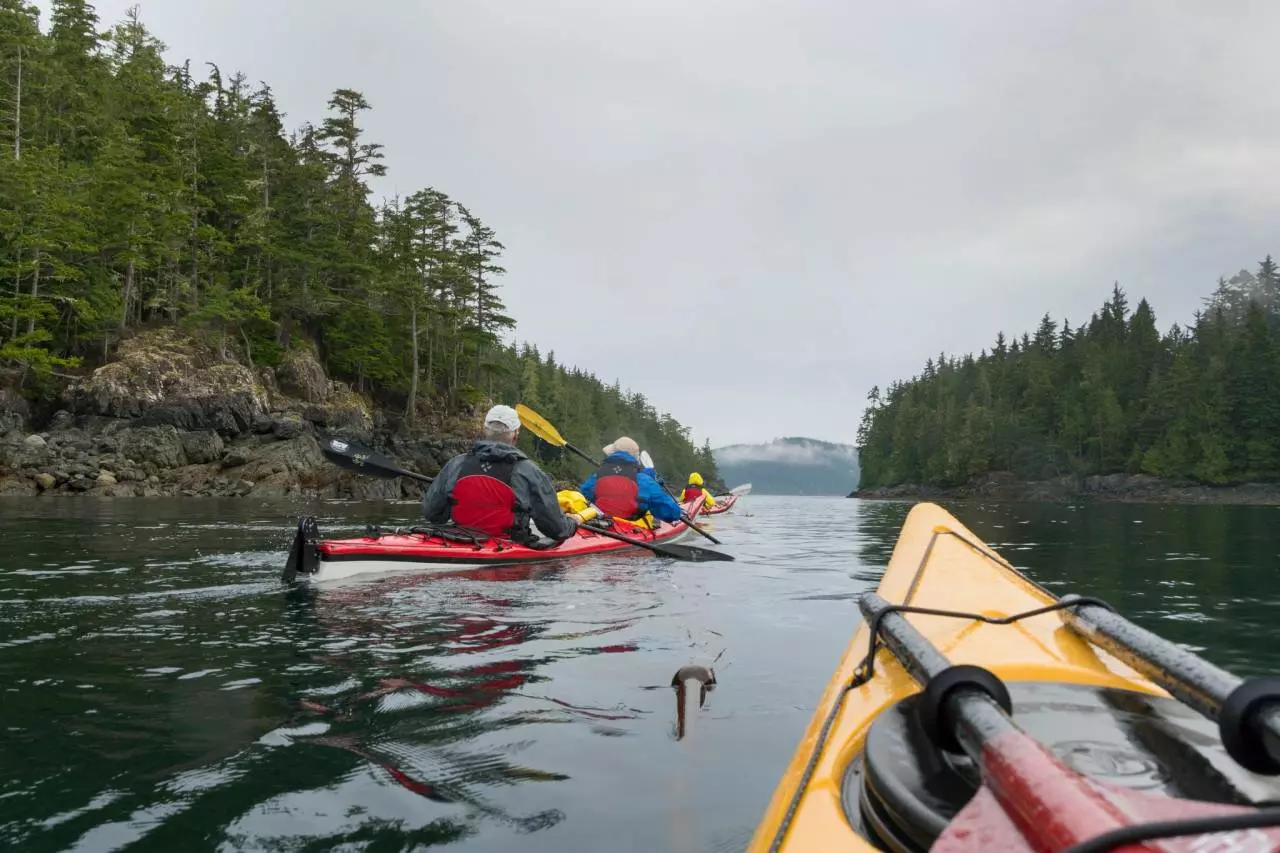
pixel 646 461
pixel 542 428
pixel 1247 712
pixel 347 454
pixel 1029 800
pixel 688 553
pixel 353 457
pixel 744 489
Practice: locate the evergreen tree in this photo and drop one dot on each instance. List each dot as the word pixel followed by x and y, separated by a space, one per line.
pixel 136 194
pixel 1199 403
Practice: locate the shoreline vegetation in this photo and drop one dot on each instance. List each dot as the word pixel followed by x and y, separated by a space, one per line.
pixel 1108 410
pixel 1114 488
pixel 190 293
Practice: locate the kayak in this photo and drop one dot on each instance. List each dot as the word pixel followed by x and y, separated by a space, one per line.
pixel 445 547
pixel 1078 726
pixel 724 503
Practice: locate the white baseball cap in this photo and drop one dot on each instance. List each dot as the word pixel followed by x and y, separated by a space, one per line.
pixel 504 415
pixel 625 444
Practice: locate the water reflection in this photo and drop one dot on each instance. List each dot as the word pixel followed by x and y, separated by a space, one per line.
pixel 159 687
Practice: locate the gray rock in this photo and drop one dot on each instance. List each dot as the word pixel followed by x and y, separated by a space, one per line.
pixel 301 375
pixel 203 446
pixel 17 486
pixel 80 484
pixel 160 446
pixel 291 460
pixel 14 412
pixel 34 441
pixel 106 478
pixel 287 429
pixel 62 421
pixel 46 481
pixel 237 456
pixel 165 377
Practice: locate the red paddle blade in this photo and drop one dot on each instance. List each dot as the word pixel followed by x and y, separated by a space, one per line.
pixel 1030 801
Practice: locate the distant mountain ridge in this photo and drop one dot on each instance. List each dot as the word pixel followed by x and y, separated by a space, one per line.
pixel 790 466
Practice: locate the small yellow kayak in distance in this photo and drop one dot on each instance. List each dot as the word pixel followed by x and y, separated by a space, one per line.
pixel 991 715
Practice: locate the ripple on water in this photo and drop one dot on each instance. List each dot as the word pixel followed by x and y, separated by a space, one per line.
pixel 159 685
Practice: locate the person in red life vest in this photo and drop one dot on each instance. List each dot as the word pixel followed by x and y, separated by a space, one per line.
pixel 620 487
pixel 694 491
pixel 494 488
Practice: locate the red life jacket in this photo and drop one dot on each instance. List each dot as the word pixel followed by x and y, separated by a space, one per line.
pixel 482 498
pixel 692 493
pixel 617 492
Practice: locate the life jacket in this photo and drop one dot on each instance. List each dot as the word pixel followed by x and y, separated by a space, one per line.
pixel 482 498
pixel 617 492
pixel 692 493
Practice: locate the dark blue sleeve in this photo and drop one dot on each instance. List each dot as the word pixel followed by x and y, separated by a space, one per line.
pixel 655 499
pixel 588 488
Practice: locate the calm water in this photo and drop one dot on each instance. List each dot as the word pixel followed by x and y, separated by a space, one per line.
pixel 159 691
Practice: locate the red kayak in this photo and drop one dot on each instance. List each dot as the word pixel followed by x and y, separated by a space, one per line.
pixel 444 547
pixel 724 503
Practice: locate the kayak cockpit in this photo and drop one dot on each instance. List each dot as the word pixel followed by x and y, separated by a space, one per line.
pixel 902 791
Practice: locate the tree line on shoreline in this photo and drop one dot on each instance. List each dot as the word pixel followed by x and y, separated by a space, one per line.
pixel 139 194
pixel 1200 403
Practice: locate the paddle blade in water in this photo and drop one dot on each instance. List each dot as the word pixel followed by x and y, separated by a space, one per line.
pixel 694 554
pixel 539 426
pixel 302 553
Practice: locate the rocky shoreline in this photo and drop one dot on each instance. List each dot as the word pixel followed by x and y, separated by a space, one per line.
pixel 169 417
pixel 1121 488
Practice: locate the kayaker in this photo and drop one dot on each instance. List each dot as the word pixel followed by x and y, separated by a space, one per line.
pixel 621 487
pixel 694 491
pixel 496 489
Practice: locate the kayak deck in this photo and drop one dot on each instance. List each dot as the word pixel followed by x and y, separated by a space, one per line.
pixel 443 547
pixel 937 563
pixel 722 505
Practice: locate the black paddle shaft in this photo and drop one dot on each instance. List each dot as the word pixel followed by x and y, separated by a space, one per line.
pixel 348 454
pixel 1247 712
pixel 688 553
pixel 957 709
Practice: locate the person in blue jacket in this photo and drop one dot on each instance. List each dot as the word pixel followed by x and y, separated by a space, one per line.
pixel 620 487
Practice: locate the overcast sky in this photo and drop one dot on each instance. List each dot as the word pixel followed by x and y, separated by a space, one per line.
pixel 754 210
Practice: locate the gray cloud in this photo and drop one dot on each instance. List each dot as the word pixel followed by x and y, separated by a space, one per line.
pixel 790 453
pixel 817 194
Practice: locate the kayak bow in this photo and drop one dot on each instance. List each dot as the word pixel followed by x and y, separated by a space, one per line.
pixel 994 716
pixel 724 503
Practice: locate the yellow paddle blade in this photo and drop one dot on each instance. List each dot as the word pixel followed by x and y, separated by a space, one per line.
pixel 538 425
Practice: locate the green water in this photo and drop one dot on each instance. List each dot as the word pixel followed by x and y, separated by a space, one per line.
pixel 159 691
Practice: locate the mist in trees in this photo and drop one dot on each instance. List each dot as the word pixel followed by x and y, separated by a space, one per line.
pixel 136 194
pixel 1200 403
